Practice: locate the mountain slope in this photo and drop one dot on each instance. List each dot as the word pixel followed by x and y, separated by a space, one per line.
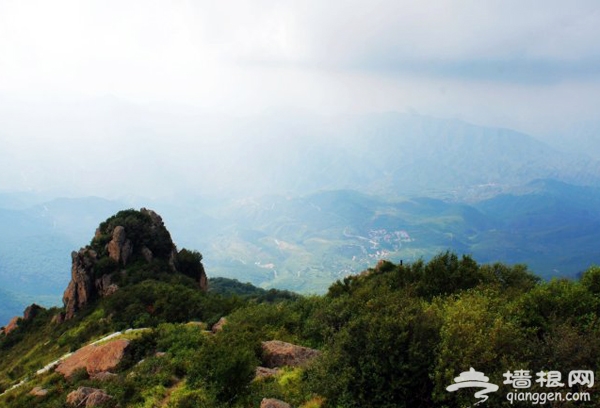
pixel 400 154
pixel 396 335
pixel 305 243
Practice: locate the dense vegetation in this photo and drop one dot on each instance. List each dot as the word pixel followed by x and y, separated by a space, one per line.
pixel 394 336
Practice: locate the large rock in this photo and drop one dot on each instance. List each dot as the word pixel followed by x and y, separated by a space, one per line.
pixel 279 354
pixel 94 358
pixel 120 248
pixel 80 290
pixel 87 397
pixel 273 403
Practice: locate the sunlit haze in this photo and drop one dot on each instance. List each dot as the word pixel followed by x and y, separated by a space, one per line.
pixel 148 97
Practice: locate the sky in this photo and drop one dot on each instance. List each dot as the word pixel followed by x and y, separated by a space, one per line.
pixel 533 66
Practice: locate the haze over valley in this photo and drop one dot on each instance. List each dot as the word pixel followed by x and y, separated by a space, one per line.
pixel 306 200
pixel 291 150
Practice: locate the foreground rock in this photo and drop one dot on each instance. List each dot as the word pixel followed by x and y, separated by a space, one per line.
pixel 279 354
pixel 87 397
pixel 94 358
pixel 273 403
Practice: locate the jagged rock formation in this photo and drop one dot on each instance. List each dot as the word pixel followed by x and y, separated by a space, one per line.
pixel 127 237
pixel 120 248
pixel 11 326
pixel 81 288
pixel 30 313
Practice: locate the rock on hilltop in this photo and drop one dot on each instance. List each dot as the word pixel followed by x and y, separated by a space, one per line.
pixel 124 239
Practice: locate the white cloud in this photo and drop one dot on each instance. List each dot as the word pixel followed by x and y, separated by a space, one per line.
pixel 476 60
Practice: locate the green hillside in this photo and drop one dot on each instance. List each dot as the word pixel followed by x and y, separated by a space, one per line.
pixel 140 328
pixel 394 336
pixel 305 243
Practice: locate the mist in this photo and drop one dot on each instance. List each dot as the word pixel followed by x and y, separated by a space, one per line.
pixel 154 100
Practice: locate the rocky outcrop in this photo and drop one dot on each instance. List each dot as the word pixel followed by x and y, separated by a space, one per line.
pixel 87 397
pixel 94 358
pixel 104 286
pixel 120 248
pixel 273 403
pixel 279 354
pixel 11 326
pixel 80 290
pixel 129 236
pixel 32 311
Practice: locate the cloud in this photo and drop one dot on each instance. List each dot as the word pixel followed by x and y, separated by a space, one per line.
pixel 442 58
pixel 510 41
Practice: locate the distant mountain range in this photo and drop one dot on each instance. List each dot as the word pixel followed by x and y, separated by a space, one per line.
pixel 332 197
pixel 399 155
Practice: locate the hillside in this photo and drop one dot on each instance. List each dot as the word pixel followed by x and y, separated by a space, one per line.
pixel 394 336
pixel 304 243
pixel 313 199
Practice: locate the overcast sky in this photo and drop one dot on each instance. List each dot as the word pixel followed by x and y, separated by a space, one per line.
pixel 533 66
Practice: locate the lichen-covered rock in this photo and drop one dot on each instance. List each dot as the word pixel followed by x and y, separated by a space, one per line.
pixel 94 358
pixel 279 354
pixel 87 397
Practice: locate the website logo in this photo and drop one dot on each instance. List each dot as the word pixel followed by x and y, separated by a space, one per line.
pixel 547 387
pixel 474 379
